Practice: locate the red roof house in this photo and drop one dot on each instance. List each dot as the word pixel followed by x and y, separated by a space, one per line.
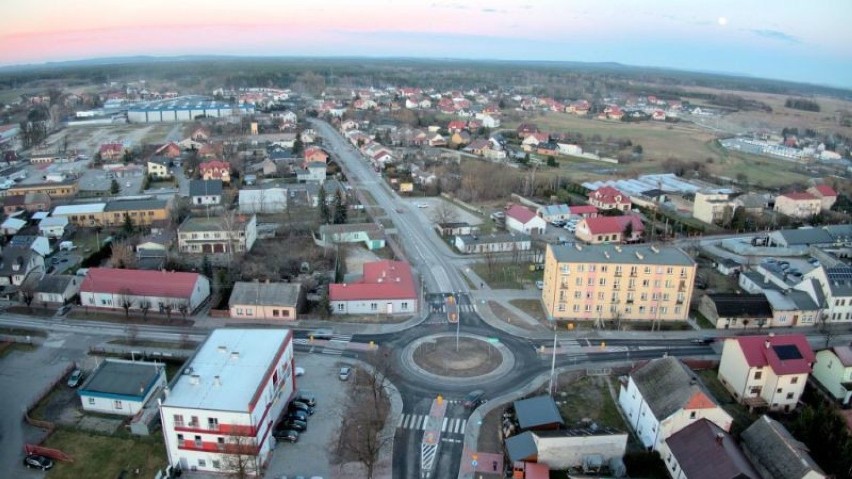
pixel 826 195
pixel 524 220
pixel 162 291
pixel 456 126
pixel 586 211
pixel 386 287
pixel 215 170
pixel 111 151
pixel 610 229
pixel 169 150
pixel 609 198
pixel 767 371
pixel 315 153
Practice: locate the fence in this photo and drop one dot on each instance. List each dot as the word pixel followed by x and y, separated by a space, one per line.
pixel 142 352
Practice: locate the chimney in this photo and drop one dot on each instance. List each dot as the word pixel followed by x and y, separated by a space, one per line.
pixel 217 381
pixel 767 343
pixel 640 255
pixel 235 355
pixel 606 254
pixel 194 379
pixel 223 349
pixel 578 246
pixel 719 438
pixel 618 248
pixel 655 249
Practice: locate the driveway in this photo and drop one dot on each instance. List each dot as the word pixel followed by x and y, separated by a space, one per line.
pixel 23 376
pixel 313 454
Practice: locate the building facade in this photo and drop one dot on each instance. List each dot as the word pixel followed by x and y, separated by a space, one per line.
pixel 766 371
pixel 386 287
pixel 833 370
pixel 606 283
pixel 160 291
pixel 122 387
pixel 252 300
pixel 217 235
pixel 219 415
pixel 798 205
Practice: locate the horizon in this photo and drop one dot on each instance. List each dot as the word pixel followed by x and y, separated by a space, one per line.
pixel 753 39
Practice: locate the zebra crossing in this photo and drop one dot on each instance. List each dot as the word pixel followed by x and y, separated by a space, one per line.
pixel 417 422
pixel 464 308
pixel 334 346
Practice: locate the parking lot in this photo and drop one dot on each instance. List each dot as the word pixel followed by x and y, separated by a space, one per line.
pixel 312 455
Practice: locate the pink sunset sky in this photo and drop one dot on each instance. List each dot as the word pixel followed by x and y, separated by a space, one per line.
pixel 786 40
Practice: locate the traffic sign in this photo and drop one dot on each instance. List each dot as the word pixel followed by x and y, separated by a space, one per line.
pixel 474 463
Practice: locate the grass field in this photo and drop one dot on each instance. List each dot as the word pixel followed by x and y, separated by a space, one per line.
pixel 588 398
pixel 661 141
pixel 106 456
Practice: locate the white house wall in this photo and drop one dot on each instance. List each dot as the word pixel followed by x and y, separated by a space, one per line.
pixel 382 306
pixel 566 452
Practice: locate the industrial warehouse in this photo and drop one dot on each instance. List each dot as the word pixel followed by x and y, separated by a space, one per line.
pixel 183 109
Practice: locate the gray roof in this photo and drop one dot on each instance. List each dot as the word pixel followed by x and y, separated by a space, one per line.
pixel 741 305
pixel 135 204
pixel 705 451
pixel 494 238
pixel 349 228
pixel 210 224
pixel 123 378
pixel 55 283
pixel 265 294
pixel 537 411
pixel 12 255
pixel 667 385
pixel 839 232
pixel 205 187
pixel 550 210
pixel 839 280
pixel 775 452
pixel 805 236
pixel 521 447
pixel 627 254
pixel 790 300
pixel 757 278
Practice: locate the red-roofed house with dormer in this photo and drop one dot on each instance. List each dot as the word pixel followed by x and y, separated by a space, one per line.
pixel 111 151
pixel 768 371
pixel 609 198
pixel 386 287
pixel 215 170
pixel 826 195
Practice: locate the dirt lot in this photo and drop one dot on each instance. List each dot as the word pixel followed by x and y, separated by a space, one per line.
pixel 458 213
pixel 87 139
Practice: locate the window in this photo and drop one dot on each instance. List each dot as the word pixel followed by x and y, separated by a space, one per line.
pixel 216 464
pixel 220 442
pixel 590 282
pixel 340 306
pixel 275 313
pixel 647 270
pixel 239 310
pixel 692 414
pixel 197 441
pixel 249 312
pixel 578 294
pixel 194 422
pixel 117 404
pixel 600 296
pixel 576 308
pixel 404 305
pixel 789 396
pixel 180 438
pixel 645 283
pixel 202 463
pixel 91 400
pixel 578 282
pixel 374 306
pixel 588 308
pixel 602 282
pixel 794 380
pixel 178 419
pixel 758 374
pixel 778 391
pixel 561 307
pixel 591 268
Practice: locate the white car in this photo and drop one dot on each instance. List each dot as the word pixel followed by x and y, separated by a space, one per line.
pixel 539 284
pixel 300 372
pixel 422 205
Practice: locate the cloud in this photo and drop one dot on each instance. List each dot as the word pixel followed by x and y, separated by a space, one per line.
pixel 776 35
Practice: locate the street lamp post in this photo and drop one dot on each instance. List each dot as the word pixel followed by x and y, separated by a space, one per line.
pixel 553 359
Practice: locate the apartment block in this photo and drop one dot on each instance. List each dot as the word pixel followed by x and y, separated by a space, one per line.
pixel 611 282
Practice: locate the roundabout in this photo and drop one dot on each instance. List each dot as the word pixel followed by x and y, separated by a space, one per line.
pixel 458 360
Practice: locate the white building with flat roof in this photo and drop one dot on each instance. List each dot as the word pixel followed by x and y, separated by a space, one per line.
pixel 219 415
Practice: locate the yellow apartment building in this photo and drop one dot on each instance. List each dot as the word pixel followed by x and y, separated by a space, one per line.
pixel 53 189
pixel 609 282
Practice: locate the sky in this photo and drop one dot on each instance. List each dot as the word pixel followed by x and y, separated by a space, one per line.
pixel 789 40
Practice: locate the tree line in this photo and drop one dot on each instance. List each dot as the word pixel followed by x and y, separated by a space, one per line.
pixel 802 104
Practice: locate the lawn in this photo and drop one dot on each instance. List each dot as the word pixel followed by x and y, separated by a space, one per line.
pixel 506 275
pixel 589 398
pixel 531 307
pixel 742 418
pixel 106 456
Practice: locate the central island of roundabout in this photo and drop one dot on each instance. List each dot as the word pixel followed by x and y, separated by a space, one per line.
pixel 458 359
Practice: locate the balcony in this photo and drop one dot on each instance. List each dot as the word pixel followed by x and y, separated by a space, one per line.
pixel 249 448
pixel 224 429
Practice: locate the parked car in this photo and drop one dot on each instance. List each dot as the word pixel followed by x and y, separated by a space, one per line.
pixel 36 461
pixel 300 406
pixel 539 284
pixel 473 399
pixel 64 309
pixel 344 373
pixel 703 341
pixel 288 435
pixel 298 415
pixel 75 379
pixel 293 424
pixel 306 397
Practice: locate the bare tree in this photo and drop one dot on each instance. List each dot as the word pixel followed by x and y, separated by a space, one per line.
pixel 824 326
pixel 182 307
pixel 444 213
pixel 125 300
pixel 27 291
pixel 239 457
pixel 144 305
pixel 122 255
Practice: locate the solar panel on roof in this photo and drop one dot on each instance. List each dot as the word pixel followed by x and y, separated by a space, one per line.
pixel 787 351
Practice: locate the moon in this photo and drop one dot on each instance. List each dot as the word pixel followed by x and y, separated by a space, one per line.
pixel 722 21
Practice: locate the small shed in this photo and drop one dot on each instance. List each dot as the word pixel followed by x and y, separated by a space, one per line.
pixel 121 387
pixel 538 413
